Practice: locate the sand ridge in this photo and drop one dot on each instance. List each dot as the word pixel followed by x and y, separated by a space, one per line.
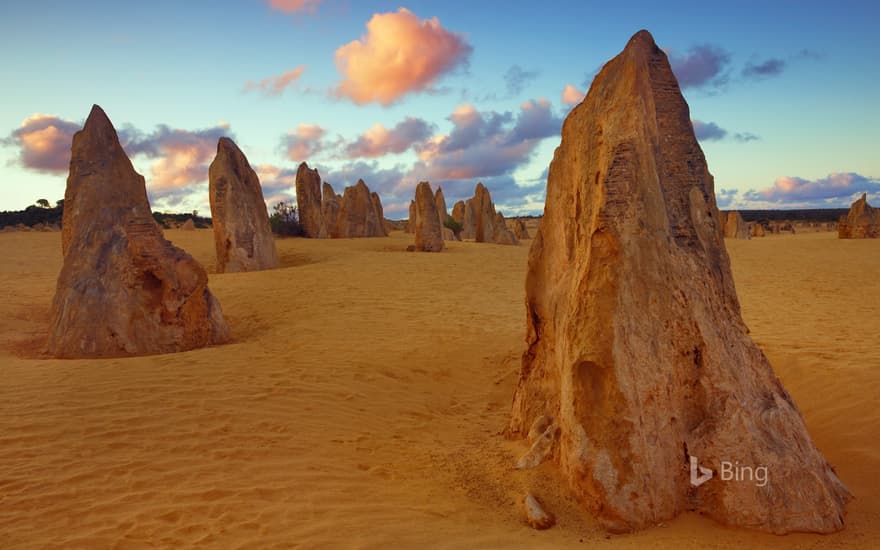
pixel 361 401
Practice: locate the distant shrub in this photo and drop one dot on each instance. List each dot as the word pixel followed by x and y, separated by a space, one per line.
pixel 453 225
pixel 160 219
pixel 284 221
pixel 40 212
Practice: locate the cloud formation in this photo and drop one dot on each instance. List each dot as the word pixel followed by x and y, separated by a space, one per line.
pixel 703 66
pixel 379 141
pixel 279 184
pixel 306 141
pixel 181 156
pixel 399 54
pixel 44 142
pixel 837 187
pixel 515 79
pixel 571 95
pixel 483 145
pixel 275 85
pixel 293 6
pixel 770 67
pixel 724 197
pixel 709 131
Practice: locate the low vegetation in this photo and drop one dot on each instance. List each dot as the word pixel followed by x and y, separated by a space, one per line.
pixel 284 220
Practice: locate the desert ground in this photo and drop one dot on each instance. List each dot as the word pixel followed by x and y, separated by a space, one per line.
pixel 361 402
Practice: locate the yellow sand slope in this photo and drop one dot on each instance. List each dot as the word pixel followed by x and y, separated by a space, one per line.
pixel 361 401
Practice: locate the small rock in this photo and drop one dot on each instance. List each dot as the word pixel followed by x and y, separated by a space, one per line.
pixel 536 516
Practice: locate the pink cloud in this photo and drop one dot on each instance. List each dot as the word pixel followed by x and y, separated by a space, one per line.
pixel 571 95
pixel 306 141
pixel 379 140
pixel 293 6
pixel 44 142
pixel 399 54
pixel 275 85
pixel 836 186
pixel 181 156
pixel 486 144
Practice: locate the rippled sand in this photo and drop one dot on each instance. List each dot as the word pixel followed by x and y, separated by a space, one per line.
pixel 361 402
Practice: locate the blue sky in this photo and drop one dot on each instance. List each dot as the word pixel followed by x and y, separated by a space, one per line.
pixel 784 96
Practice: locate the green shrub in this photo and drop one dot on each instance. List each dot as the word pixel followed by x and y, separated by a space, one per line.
pixel 453 225
pixel 284 221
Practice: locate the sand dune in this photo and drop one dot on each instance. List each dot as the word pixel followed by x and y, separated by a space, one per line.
pixel 361 401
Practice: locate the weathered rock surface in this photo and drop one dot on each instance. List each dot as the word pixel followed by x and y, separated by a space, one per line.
pixel 542 438
pixel 636 346
pixel 360 214
pixel 479 220
pixel 862 221
pixel 469 221
pixel 411 221
pixel 735 226
pixel 520 230
pixel 242 235
pixel 536 516
pixel 448 234
pixel 330 202
pixel 189 225
pixel 458 212
pixel 380 214
pixel 757 230
pixel 429 238
pixel 308 202
pixel 123 289
pixel 483 214
pixel 501 234
pixel 440 200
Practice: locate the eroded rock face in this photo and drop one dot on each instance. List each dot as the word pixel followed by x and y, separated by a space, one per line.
pixel 123 289
pixel 428 233
pixel 242 236
pixel 483 211
pixel 440 202
pixel 469 221
pixel 458 212
pixel 188 225
pixel 520 230
pixel 308 202
pixel 411 221
pixel 757 230
pixel 380 214
pixel 360 214
pixel 636 347
pixel 479 220
pixel 735 226
pixel 501 234
pixel 862 221
pixel 329 209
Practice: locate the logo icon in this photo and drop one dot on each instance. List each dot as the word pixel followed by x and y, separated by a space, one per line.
pixel 699 475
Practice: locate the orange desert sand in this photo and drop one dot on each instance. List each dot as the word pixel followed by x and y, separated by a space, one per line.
pixel 361 402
